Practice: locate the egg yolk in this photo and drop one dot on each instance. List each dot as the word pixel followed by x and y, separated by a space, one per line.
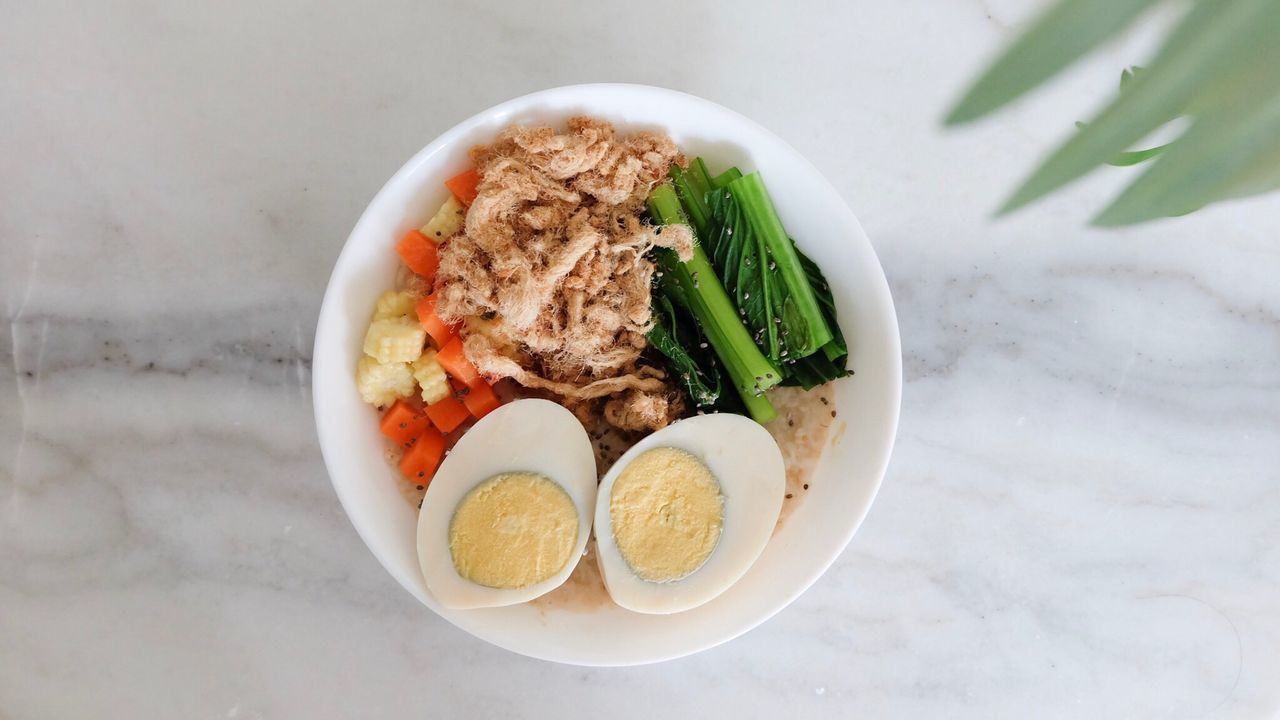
pixel 667 512
pixel 513 530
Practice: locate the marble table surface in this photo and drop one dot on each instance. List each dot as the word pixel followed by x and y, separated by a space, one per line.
pixel 1081 518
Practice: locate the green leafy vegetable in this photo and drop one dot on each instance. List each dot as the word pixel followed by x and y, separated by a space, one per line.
pixel 808 347
pixel 696 285
pixel 761 268
pixel 691 188
pixel 677 335
pixel 831 363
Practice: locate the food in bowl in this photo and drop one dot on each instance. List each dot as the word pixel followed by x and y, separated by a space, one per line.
pixel 509 510
pixel 612 278
pixel 684 514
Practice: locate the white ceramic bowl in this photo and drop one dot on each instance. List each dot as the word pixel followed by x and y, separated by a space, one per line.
pixel 823 520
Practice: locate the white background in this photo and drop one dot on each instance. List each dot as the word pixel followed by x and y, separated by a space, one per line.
pixel 1081 519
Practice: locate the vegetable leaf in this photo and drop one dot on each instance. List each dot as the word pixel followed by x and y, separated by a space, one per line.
pixel 760 268
pixel 678 336
pixel 750 371
pixel 831 363
pixel 739 260
pixel 752 272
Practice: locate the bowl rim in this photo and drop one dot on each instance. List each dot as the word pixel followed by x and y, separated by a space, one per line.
pixel 446 140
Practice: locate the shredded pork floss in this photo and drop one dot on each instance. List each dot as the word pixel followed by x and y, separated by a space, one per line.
pixel 550 274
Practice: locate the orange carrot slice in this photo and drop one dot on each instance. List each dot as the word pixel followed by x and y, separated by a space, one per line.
pixel 447 414
pixel 464 186
pixel 480 399
pixel 423 457
pixel 440 331
pixel 403 422
pixel 455 362
pixel 419 253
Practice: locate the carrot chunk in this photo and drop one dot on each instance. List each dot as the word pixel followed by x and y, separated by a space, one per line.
pixel 455 362
pixel 403 422
pixel 419 253
pixel 480 398
pixel 440 331
pixel 423 457
pixel 464 186
pixel 447 414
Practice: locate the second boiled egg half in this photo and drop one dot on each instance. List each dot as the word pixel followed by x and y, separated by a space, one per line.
pixel 684 514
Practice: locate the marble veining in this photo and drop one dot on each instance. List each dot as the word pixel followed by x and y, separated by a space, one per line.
pixel 1081 518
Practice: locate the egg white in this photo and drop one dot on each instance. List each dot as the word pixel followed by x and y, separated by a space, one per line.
pixel 532 435
pixel 748 464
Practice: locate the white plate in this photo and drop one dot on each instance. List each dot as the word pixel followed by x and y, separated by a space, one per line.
pixel 823 520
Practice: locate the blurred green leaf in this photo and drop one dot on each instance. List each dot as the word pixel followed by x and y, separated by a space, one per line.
pixel 1129 157
pixel 1133 157
pixel 1219 67
pixel 1207 164
pixel 1128 75
pixel 1063 34
pixel 1206 45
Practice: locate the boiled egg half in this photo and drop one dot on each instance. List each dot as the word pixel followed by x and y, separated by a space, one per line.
pixel 685 513
pixel 507 515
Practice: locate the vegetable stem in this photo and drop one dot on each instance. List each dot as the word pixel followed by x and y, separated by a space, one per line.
pixel 801 311
pixel 751 372
pixel 691 188
pixel 724 178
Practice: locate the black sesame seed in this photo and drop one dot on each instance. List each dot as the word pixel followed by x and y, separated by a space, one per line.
pixel 788 496
pixel 422 487
pixel 806 486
